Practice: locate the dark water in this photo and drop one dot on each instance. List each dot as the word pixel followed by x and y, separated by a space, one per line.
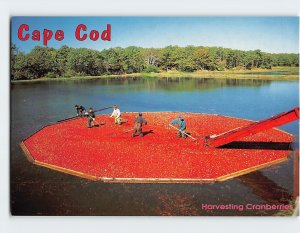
pixel 40 191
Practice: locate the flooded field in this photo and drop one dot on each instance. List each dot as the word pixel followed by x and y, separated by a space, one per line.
pixel 40 191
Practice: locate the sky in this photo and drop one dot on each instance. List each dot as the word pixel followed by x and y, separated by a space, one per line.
pixel 269 34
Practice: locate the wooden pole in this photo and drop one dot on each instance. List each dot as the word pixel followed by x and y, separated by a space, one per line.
pixel 102 109
pixel 194 139
pixel 74 117
pixel 68 119
pixel 96 122
pixel 126 131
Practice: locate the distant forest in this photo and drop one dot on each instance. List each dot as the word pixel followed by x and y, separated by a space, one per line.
pixel 67 62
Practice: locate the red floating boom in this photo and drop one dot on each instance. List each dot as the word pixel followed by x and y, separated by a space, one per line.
pixel 232 135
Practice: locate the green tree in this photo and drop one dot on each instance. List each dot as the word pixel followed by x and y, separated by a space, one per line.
pixel 22 69
pixel 13 56
pixel 203 59
pixel 85 62
pixel 171 56
pixel 133 61
pixel 42 60
pixel 50 62
pixel 113 62
pixel 62 60
pixel 152 56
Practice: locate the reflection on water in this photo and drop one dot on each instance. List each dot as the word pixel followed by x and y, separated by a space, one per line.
pixel 165 84
pixel 265 188
pixel 40 191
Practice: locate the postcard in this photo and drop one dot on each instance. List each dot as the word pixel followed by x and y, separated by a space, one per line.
pixel 154 116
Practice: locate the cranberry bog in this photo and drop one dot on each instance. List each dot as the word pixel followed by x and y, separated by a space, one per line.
pixel 108 153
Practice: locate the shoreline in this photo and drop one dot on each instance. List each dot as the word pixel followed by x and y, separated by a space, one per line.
pixel 258 74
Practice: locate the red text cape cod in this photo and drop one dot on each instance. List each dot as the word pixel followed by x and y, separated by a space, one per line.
pixel 81 33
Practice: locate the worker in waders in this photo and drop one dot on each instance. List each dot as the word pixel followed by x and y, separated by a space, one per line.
pixel 80 110
pixel 181 126
pixel 90 117
pixel 138 124
pixel 117 115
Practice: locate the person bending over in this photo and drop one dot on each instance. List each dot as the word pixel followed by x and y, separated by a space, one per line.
pixel 80 110
pixel 181 126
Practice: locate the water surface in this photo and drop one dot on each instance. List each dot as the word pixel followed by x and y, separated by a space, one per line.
pixel 40 191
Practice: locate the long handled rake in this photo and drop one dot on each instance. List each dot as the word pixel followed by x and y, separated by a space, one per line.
pixel 194 139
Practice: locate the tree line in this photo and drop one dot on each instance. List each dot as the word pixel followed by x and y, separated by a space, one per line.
pixel 68 62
